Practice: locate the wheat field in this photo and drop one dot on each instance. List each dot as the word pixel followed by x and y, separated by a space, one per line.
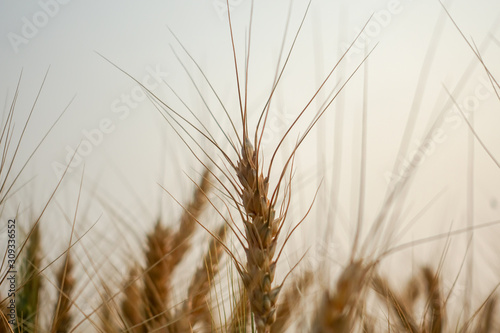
pixel 250 166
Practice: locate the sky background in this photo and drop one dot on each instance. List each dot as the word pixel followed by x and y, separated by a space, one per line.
pixel 134 149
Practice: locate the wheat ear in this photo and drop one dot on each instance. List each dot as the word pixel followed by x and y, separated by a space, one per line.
pixel 189 220
pixel 197 303
pixel 381 286
pixel 165 251
pixel 66 282
pixel 196 308
pixel 28 296
pixel 157 276
pixel 337 310
pixel 132 304
pixel 436 304
pixel 262 228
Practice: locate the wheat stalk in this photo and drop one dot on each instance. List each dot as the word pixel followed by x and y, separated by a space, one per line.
pixel 165 251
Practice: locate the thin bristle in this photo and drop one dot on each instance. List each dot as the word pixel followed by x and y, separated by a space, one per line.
pixel 381 286
pixel 66 282
pixel 111 320
pixel 240 315
pixel 107 322
pixel 196 308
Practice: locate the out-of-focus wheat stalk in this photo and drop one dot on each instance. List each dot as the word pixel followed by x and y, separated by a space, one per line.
pixel 157 277
pixel 406 320
pixel 337 311
pixel 65 283
pixel 435 305
pixel 165 251
pixel 132 304
pixel 197 305
pixel 27 305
